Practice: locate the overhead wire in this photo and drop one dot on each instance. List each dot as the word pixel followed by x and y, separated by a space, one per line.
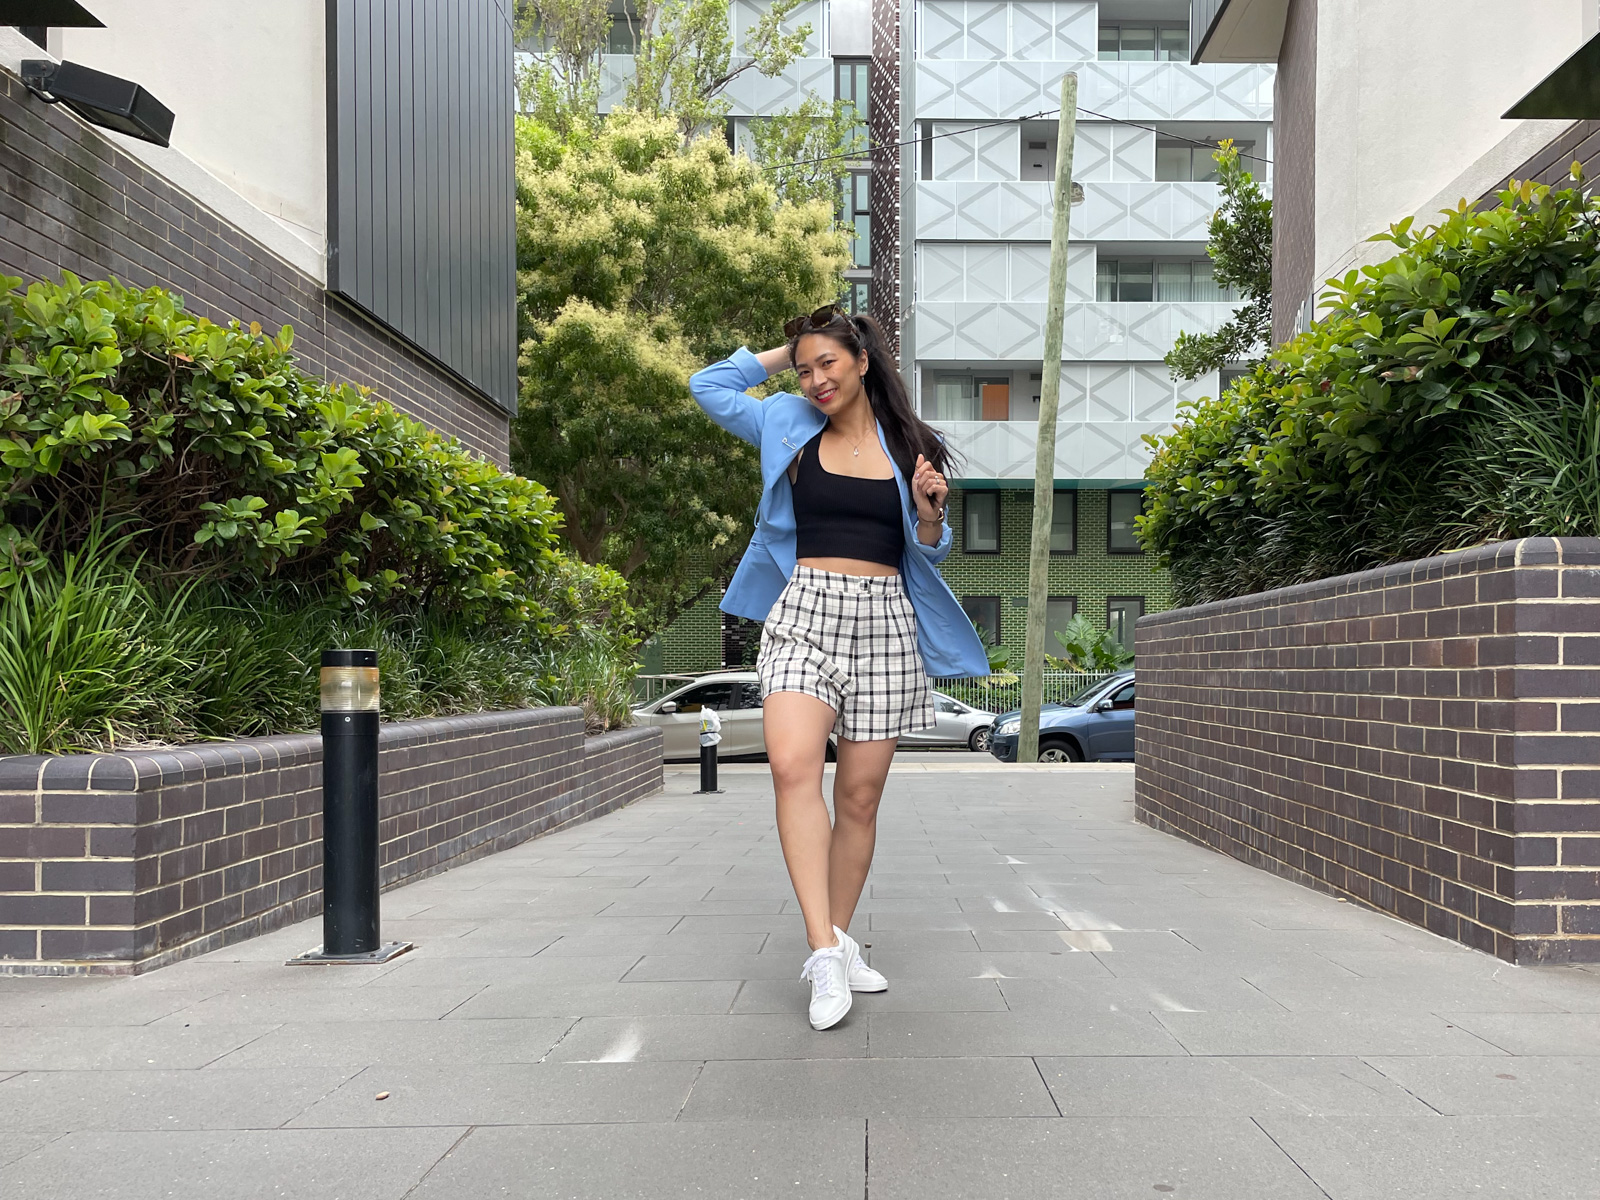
pixel 1049 112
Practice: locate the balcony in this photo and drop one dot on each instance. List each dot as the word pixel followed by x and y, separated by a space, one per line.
pixel 1013 331
pixel 1098 452
pixel 1021 210
pixel 1006 89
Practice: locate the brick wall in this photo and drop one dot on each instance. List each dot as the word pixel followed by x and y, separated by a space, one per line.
pixel 71 200
pixel 1423 738
pixel 122 862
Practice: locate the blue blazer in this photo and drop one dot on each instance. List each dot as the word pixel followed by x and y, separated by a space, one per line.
pixel 779 427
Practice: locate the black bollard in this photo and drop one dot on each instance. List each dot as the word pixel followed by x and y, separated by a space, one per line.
pixel 708 772
pixel 350 812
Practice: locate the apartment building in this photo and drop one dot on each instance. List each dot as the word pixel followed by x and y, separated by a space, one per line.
pixel 1393 109
pixel 953 255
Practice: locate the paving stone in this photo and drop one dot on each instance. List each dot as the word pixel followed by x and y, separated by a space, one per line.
pixel 816 1088
pixel 1534 1032
pixel 418 970
pixel 1219 1158
pixel 353 1045
pixel 700 1038
pixel 71 1101
pixel 1011 1034
pixel 1523 1086
pixel 904 995
pixel 597 999
pixel 114 1048
pixel 506 1094
pixel 268 1164
pixel 1182 1086
pixel 1443 1158
pixel 754 1160
pixel 1298 1034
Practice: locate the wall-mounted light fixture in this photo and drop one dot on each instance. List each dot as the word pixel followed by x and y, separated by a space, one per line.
pixel 99 98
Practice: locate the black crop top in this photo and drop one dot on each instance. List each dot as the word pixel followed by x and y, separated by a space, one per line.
pixel 840 516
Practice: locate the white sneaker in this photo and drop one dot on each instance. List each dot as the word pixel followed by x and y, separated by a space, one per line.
pixel 862 977
pixel 828 970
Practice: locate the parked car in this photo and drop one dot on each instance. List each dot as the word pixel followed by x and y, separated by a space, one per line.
pixel 1096 725
pixel 736 698
pixel 954 724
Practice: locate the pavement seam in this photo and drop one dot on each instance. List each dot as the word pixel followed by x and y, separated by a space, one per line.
pixel 465 1000
pixel 700 1070
pixel 347 1080
pixel 1385 1075
pixel 737 992
pixel 241 1046
pixel 1291 1158
pixel 1035 1061
pixel 560 1039
pixel 866 1157
pixel 1252 984
pixel 451 1149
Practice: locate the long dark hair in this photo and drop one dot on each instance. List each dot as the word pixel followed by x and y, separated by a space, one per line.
pixel 908 435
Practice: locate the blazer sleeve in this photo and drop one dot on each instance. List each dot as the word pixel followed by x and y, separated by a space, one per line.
pixel 720 390
pixel 940 550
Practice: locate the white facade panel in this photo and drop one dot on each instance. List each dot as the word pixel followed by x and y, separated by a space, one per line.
pixel 987 153
pixel 1021 210
pixel 1032 30
pixel 1089 452
pixel 1011 330
pixel 1107 153
pixel 970 90
pixel 958 272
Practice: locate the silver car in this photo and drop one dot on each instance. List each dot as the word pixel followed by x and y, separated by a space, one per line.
pixel 736 698
pixel 954 724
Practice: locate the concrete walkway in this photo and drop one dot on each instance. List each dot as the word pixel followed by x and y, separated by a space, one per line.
pixel 1078 1007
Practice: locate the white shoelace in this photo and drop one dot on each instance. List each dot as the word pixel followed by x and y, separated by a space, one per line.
pixel 816 970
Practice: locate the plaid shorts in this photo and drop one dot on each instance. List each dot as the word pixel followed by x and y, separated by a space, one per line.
pixel 850 641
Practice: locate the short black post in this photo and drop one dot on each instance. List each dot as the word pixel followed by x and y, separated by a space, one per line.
pixel 708 770
pixel 350 812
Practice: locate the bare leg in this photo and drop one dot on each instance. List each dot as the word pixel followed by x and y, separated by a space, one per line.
pixel 857 789
pixel 796 728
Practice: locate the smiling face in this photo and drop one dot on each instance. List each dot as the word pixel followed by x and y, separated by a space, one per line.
pixel 830 375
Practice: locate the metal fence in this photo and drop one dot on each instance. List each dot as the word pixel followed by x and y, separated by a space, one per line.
pixel 1001 697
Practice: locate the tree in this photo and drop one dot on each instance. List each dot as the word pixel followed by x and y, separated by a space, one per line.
pixel 806 151
pixel 1240 246
pixel 640 258
pixel 683 50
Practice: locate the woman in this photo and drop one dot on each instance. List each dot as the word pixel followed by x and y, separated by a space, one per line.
pixel 842 568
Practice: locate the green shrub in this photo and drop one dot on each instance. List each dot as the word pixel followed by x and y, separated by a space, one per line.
pixel 232 462
pixel 187 519
pixel 1420 414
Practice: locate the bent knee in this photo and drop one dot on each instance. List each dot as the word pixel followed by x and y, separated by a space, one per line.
pixel 859 805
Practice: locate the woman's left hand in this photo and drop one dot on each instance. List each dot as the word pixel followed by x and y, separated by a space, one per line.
pixel 928 489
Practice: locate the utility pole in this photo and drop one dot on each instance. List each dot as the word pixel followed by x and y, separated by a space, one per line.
pixel 1044 467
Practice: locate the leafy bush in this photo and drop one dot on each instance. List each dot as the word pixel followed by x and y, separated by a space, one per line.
pixel 231 461
pixel 187 520
pixel 1085 648
pixel 1433 407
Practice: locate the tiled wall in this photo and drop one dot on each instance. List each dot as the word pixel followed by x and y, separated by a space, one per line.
pixel 1423 738
pixel 70 200
pixel 122 862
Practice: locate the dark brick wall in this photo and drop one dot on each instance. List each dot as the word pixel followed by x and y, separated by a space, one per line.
pixel 71 200
pixel 1294 169
pixel 1423 738
pixel 122 862
pixel 1553 165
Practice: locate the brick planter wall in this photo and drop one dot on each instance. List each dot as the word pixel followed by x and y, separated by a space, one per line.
pixel 122 862
pixel 1423 738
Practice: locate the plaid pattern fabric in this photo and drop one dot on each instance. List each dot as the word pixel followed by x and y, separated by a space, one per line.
pixel 850 641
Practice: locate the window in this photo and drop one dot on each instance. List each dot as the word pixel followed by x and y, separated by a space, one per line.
pixel 1132 280
pixel 856 213
pixel 984 612
pixel 1121 614
pixel 1064 523
pixel 1121 535
pixel 969 398
pixel 749 696
pixel 943 704
pixel 980 523
pixel 1184 162
pixel 856 297
pixel 850 83
pixel 1126 281
pixel 1058 614
pixel 622 38
pixel 1145 43
pixel 719 697
pixel 1122 699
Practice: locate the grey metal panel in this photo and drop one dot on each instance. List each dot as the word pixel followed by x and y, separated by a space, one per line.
pixel 1202 16
pixel 421 194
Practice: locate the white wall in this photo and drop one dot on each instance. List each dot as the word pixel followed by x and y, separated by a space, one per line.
pixel 1409 97
pixel 247 86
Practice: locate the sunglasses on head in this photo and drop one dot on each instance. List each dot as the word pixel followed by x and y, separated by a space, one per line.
pixel 820 319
